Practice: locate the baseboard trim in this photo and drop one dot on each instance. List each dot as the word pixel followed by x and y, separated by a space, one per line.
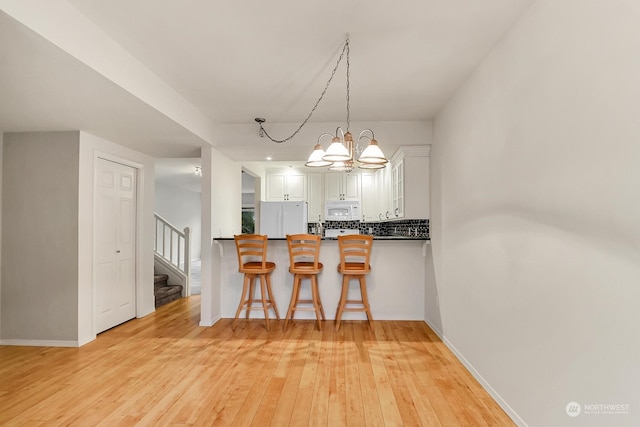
pixel 86 340
pixel 434 329
pixel 211 322
pixel 503 404
pixel 40 343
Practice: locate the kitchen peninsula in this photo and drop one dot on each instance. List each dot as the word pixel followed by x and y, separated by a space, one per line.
pixel 395 285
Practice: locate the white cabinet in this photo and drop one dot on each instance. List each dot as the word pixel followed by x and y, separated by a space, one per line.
pixel 286 186
pixel 383 177
pixel 341 186
pixel 410 183
pixel 397 189
pixel 369 196
pixel 315 197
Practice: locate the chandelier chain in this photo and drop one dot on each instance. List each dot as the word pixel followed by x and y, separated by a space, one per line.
pixel 345 48
pixel 348 74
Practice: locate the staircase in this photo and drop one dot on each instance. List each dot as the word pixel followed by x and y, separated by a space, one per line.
pixel 171 258
pixel 164 292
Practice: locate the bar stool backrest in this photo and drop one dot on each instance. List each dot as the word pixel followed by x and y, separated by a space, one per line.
pixel 304 250
pixel 252 251
pixel 355 252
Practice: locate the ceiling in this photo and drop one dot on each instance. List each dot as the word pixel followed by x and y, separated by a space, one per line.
pixel 234 61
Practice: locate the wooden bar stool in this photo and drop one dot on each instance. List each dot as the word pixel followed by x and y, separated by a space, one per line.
pixel 355 253
pixel 304 254
pixel 252 261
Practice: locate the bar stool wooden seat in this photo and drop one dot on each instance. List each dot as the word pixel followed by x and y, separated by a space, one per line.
pixel 304 255
pixel 252 261
pixel 355 253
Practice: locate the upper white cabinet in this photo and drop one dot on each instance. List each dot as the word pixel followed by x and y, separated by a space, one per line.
pixel 397 188
pixel 369 196
pixel 315 197
pixel 383 177
pixel 286 186
pixel 341 186
pixel 410 183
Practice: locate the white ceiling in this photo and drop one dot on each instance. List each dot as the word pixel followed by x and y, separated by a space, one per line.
pixel 234 61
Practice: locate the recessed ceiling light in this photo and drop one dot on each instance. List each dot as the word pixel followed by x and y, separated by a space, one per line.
pixel 269 158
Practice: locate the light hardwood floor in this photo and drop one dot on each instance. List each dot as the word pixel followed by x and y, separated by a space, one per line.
pixel 166 370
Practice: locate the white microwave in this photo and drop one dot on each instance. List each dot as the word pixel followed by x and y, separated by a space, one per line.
pixel 342 210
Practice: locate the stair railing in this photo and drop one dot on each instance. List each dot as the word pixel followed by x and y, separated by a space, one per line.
pixel 173 246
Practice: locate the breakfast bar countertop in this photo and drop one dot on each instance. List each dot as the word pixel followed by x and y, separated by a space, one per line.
pixel 404 238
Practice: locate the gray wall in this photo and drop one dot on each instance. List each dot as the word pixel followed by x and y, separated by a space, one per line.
pixel 536 214
pixel 39 294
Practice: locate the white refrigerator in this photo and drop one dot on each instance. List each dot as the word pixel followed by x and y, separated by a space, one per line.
pixel 277 219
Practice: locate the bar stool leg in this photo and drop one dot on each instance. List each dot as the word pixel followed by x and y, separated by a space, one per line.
pixel 314 298
pixel 343 300
pixel 263 295
pixel 242 302
pixel 365 299
pixel 294 300
pixel 252 280
pixel 271 299
pixel 317 296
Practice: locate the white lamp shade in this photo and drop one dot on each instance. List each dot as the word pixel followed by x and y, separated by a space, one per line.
pixel 336 152
pixel 371 165
pixel 372 154
pixel 315 159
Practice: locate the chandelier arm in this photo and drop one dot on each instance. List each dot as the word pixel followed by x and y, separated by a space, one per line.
pixel 345 48
pixel 367 130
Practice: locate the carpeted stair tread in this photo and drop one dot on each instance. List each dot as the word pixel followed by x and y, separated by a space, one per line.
pixel 159 278
pixel 164 292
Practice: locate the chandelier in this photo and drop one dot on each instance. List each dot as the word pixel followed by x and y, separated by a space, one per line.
pixel 343 151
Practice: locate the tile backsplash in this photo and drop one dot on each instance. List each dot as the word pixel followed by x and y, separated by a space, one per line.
pixel 407 227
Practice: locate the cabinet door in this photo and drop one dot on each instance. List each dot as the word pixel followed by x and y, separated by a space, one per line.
pixel 351 186
pixel 384 194
pixel 281 187
pixel 333 186
pixel 315 197
pixel 275 187
pixel 397 190
pixel 296 187
pixel 369 197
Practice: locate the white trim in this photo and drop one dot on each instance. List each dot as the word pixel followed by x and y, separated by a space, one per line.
pixel 434 329
pixel 211 322
pixel 86 340
pixel 499 400
pixel 40 343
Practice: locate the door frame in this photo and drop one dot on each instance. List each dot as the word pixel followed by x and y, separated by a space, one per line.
pixel 139 280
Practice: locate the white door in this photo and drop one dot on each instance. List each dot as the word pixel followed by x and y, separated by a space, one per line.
pixel 115 244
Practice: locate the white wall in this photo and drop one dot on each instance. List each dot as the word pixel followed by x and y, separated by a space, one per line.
pixel 536 213
pixel 1 151
pixel 182 208
pixel 221 217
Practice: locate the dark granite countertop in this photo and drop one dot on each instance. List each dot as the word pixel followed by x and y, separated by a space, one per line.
pixel 389 238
